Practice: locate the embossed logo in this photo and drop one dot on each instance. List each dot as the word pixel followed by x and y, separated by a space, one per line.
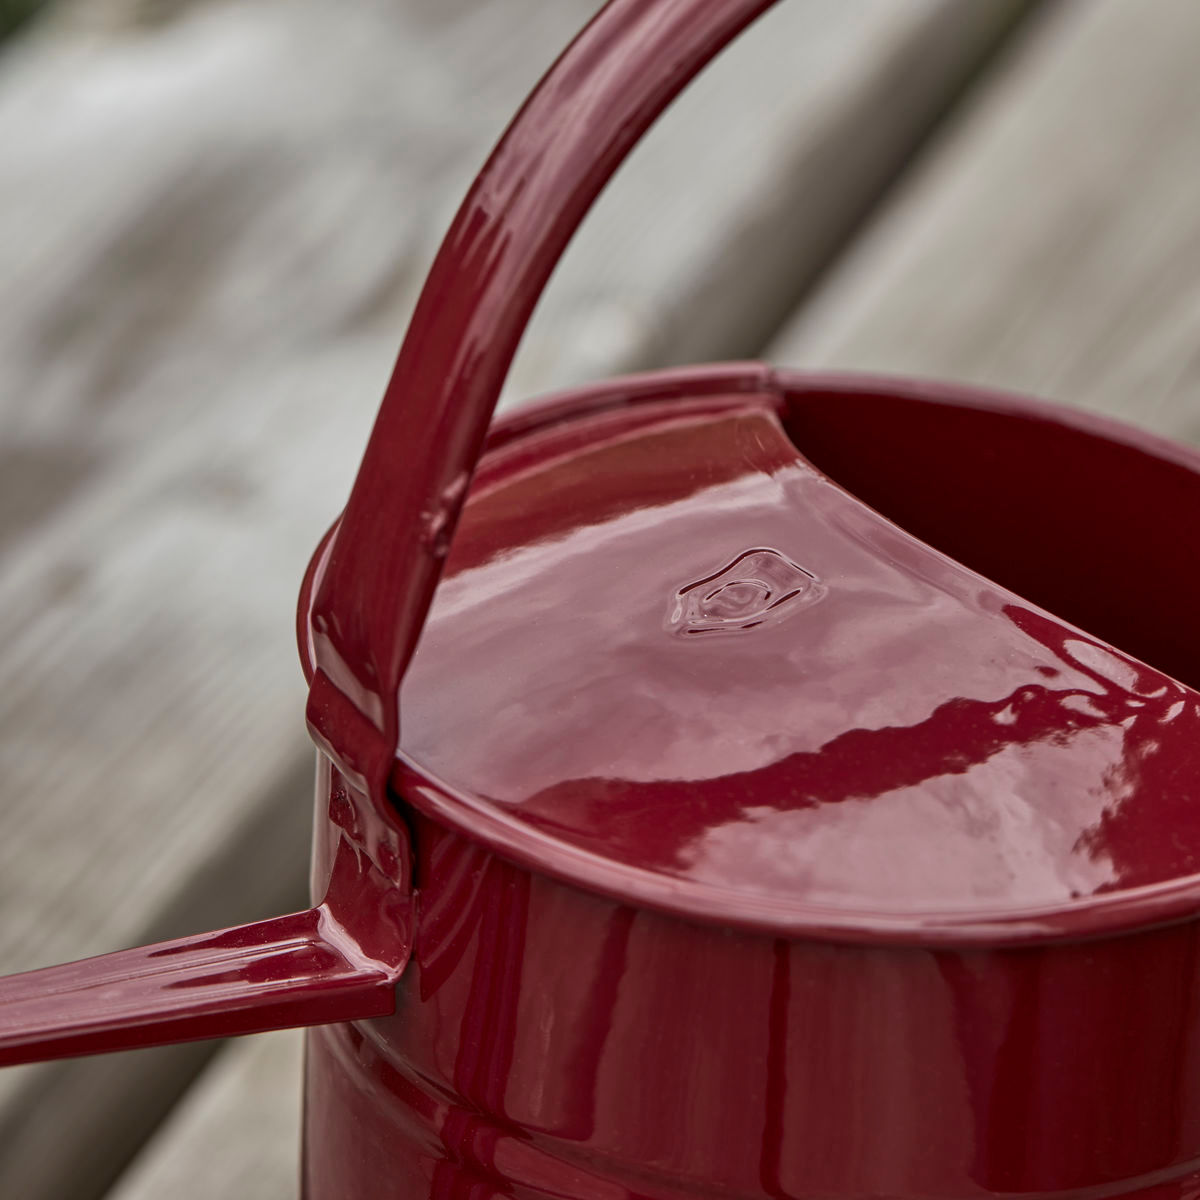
pixel 759 586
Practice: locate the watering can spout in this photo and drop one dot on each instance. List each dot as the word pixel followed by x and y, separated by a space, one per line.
pixel 301 969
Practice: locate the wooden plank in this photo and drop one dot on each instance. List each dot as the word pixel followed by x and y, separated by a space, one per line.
pixel 224 219
pixel 236 1133
pixel 1050 243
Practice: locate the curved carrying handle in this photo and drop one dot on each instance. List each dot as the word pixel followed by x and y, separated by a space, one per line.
pixel 565 143
pixel 571 135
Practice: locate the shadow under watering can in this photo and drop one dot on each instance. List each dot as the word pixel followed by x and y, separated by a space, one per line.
pixel 730 780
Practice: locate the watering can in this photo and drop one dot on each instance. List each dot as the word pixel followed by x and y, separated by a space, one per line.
pixel 731 782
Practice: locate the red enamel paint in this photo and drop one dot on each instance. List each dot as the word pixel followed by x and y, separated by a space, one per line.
pixel 732 781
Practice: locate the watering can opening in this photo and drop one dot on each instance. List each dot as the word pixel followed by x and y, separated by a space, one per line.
pixel 1080 522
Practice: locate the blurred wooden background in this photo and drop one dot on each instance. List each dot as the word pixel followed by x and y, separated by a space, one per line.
pixel 214 218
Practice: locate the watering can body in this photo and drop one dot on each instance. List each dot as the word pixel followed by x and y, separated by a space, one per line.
pixel 563 1044
pixel 730 781
pixel 576 1025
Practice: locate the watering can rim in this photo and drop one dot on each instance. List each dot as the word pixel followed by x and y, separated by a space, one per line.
pixel 335 961
pixel 489 825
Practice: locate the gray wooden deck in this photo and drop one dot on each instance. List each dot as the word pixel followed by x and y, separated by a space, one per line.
pixel 214 217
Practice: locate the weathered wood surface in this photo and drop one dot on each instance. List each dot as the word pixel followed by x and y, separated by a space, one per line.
pixel 235 1134
pixel 216 216
pixel 1050 241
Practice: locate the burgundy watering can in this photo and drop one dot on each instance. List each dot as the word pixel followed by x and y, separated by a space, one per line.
pixel 732 782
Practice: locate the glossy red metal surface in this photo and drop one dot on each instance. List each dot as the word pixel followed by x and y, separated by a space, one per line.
pixel 550 1042
pixel 797 788
pixel 1074 512
pixel 707 674
pixel 337 961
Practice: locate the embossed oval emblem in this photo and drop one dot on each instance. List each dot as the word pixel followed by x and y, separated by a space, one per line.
pixel 758 586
